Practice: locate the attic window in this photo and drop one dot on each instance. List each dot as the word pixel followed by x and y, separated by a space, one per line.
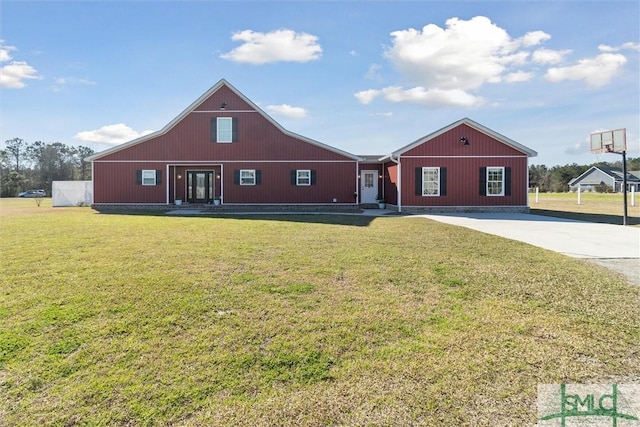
pixel 225 129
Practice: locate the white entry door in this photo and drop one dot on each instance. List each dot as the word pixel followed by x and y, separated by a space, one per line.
pixel 368 186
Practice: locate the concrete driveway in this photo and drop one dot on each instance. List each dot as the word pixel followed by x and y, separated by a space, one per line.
pixel 614 246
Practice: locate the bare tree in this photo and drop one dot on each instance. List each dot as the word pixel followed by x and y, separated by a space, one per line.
pixel 17 149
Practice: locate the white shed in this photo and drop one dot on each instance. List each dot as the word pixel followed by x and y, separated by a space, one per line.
pixel 72 193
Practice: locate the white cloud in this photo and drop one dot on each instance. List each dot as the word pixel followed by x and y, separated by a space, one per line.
pixel 288 111
pixel 366 96
pixel 422 96
pixel 518 76
pixel 595 72
pixel 549 56
pixel 62 82
pixel 446 65
pixel 627 45
pixel 372 72
pixel 275 46
pixel 534 38
pixel 13 74
pixel 5 50
pixel 384 114
pixel 111 134
pixel 578 147
pixel 464 55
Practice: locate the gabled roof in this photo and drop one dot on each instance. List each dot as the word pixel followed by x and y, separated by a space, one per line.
pixel 615 174
pixel 199 101
pixel 477 126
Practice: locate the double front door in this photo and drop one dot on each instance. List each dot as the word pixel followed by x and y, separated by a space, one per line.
pixel 200 187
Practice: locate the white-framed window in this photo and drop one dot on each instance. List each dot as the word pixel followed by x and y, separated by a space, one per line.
pixel 303 177
pixel 495 181
pixel 247 177
pixel 431 181
pixel 148 177
pixel 224 129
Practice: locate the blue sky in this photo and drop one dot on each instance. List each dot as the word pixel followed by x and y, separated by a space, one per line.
pixel 367 77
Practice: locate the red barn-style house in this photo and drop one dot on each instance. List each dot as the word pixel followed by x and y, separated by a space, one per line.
pixel 224 151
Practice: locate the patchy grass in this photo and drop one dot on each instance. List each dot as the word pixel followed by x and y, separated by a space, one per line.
pixel 594 207
pixel 319 320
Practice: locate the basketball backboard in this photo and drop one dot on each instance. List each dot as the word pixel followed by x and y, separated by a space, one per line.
pixel 610 141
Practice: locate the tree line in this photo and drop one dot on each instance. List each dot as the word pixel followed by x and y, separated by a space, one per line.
pixel 556 179
pixel 36 165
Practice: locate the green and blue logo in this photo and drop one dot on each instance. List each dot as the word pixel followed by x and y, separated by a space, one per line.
pixel 568 405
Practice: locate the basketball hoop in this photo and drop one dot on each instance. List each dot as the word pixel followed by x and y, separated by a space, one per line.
pixel 613 141
pixel 610 141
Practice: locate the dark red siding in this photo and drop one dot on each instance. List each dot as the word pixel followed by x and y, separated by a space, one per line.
pixel 448 144
pixel 116 183
pixel 258 139
pixel 334 183
pixel 463 181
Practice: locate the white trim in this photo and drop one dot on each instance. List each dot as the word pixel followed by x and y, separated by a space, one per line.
pixel 464 157
pixel 287 204
pixel 308 171
pixel 463 207
pixel 502 170
pixel 223 111
pixel 253 171
pixel 526 188
pixel 167 183
pixel 133 203
pixel 224 119
pixel 148 172
pixel 220 162
pixel 438 181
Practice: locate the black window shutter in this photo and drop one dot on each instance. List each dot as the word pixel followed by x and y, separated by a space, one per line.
pixel 258 177
pixel 236 177
pixel 139 177
pixel 507 181
pixel 158 177
pixel 234 129
pixel 418 181
pixel 443 181
pixel 483 181
pixel 313 177
pixel 214 129
pixel 294 177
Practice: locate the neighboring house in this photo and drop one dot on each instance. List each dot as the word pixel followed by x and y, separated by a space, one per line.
pixel 607 176
pixel 463 166
pixel 225 149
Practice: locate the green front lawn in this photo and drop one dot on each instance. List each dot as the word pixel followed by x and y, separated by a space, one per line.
pixel 293 320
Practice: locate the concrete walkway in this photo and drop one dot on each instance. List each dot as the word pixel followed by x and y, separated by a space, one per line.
pixel 613 246
pixel 578 239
